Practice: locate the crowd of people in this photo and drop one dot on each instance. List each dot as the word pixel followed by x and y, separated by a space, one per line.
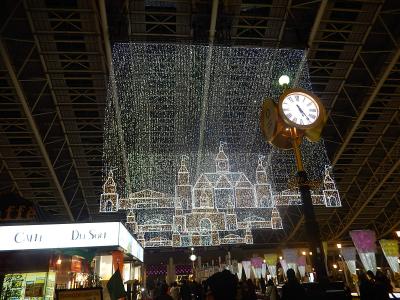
pixel 374 287
pixel 226 286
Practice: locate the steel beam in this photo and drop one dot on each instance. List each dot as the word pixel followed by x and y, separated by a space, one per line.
pixel 34 127
pixel 106 38
pixel 366 105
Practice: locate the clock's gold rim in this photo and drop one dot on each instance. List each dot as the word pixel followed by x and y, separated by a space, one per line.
pixel 310 95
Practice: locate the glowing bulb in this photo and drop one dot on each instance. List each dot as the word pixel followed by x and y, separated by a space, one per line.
pixel 284 80
pixel 192 248
pixel 192 257
pixel 280 257
pixel 142 289
pixel 264 261
pixel 304 252
pixel 310 253
pixel 339 246
pixel 59 261
pixel 398 233
pixel 335 266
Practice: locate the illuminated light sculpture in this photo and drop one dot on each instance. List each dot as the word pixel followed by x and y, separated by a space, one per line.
pixel 163 121
pixel 109 197
pixel 222 207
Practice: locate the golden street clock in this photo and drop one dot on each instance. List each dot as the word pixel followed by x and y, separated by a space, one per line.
pixel 297 108
pixel 301 109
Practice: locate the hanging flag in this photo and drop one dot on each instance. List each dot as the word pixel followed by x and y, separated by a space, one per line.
pixel 264 270
pixel 240 270
pixel 349 255
pixel 390 249
pixel 115 286
pixel 364 240
pixel 247 267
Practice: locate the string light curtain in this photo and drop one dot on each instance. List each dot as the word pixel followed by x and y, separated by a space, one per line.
pixel 167 102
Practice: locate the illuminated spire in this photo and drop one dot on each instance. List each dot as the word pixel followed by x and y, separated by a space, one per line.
pixel 221 160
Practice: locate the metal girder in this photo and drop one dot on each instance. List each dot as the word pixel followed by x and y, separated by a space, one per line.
pixel 107 46
pixel 34 128
pixel 367 104
pixel 58 112
pixel 366 194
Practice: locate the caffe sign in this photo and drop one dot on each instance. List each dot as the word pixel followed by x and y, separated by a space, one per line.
pixel 56 236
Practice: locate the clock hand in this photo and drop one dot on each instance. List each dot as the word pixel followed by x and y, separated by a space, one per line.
pixel 302 112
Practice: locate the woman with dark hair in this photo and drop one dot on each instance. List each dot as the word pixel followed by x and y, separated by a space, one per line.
pixel 292 289
pixel 366 287
pixel 382 286
pixel 249 291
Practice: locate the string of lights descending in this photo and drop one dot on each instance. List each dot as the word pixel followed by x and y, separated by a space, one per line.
pixel 162 95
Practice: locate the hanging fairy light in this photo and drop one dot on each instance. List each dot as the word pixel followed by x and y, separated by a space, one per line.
pixel 161 107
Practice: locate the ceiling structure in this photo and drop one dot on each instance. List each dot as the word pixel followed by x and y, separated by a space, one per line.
pixel 55 59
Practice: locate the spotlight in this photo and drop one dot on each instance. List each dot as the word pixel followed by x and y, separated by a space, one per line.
pixel 284 80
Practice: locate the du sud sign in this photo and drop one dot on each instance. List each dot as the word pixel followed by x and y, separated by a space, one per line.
pixel 59 236
pixel 66 236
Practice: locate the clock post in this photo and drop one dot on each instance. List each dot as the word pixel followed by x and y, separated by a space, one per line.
pixel 311 224
pixel 299 113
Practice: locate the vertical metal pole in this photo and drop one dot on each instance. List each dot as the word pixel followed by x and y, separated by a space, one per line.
pixel 312 227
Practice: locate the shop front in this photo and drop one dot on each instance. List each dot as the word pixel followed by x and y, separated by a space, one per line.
pixel 38 260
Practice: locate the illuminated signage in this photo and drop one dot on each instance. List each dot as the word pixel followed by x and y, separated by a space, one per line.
pixel 69 236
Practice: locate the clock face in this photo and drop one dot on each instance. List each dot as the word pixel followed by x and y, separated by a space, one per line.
pixel 300 109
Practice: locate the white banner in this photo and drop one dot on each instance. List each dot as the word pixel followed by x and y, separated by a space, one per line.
pixel 272 271
pixel 393 262
pixel 351 265
pixel 302 271
pixel 368 261
pixel 240 270
pixel 74 235
pixel 264 270
pixel 284 265
pixel 247 268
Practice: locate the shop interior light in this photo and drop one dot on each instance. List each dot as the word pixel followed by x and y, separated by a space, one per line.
pixel 59 261
pixel 280 257
pixel 304 252
pixel 310 253
pixel 398 233
pixel 339 246
pixel 335 266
